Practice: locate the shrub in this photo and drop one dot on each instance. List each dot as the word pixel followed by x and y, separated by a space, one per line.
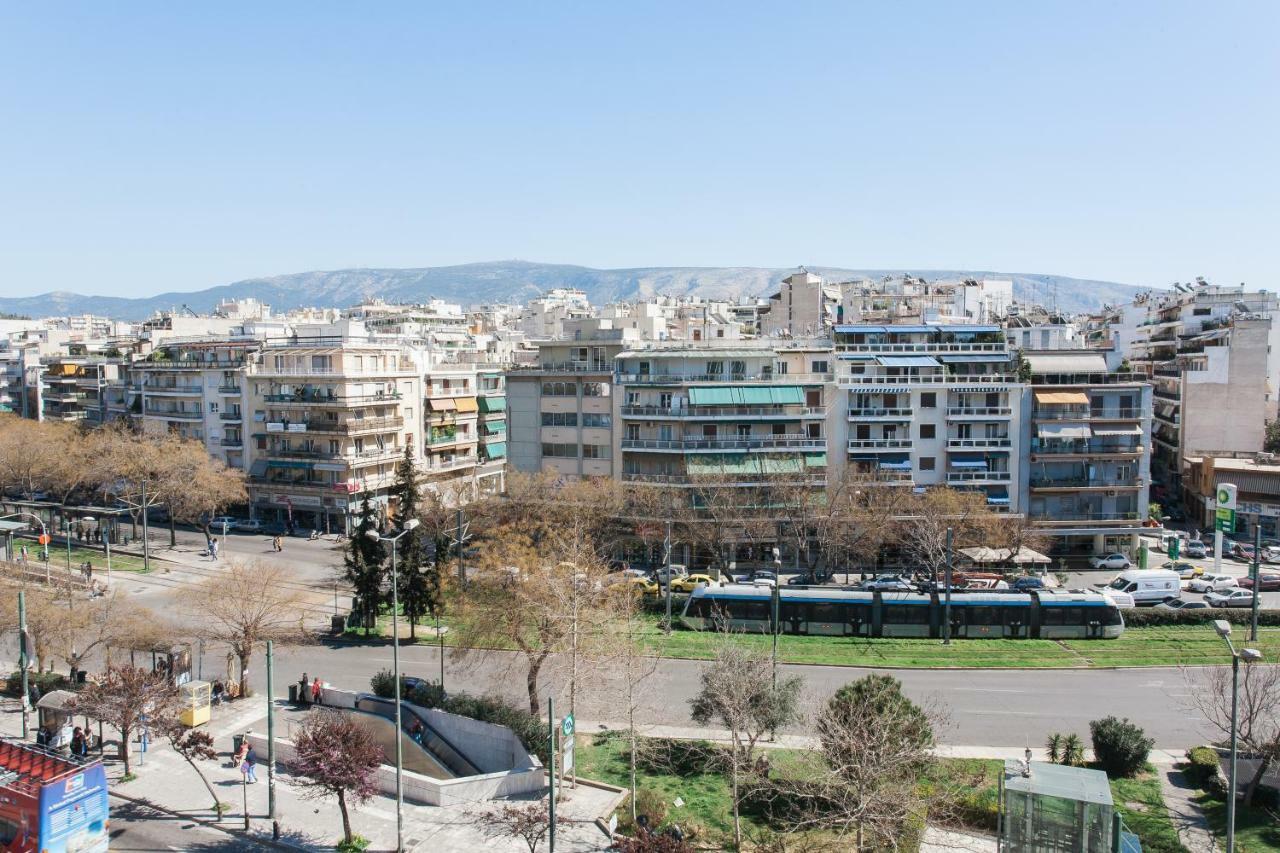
pixel 46 681
pixel 1120 747
pixel 678 757
pixel 1144 616
pixel 529 728
pixel 1202 765
pixel 427 695
pixel 383 683
pixel 357 844
pixel 1072 751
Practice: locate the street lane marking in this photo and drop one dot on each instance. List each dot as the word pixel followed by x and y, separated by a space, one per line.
pixel 985 690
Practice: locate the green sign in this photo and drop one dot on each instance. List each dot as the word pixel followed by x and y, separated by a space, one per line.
pixel 1225 520
pixel 1175 545
pixel 566 726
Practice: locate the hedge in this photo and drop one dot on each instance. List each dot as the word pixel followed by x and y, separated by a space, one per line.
pixel 46 681
pixel 529 728
pixel 1202 766
pixel 1144 617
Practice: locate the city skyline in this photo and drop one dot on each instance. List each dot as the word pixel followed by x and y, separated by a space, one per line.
pixel 172 149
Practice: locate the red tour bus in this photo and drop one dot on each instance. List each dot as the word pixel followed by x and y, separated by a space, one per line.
pixel 51 803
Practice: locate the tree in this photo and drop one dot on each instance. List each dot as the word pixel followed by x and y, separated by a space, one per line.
pixel 529 822
pixel 365 564
pixel 123 697
pixel 1120 746
pixel 337 756
pixel 198 487
pixel 931 514
pixel 193 745
pixel 419 586
pixel 634 663
pixel 1258 714
pixel 737 691
pixel 244 606
pixel 1271 438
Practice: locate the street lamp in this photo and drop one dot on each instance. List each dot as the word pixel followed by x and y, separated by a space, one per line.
pixel 1223 627
pixel 409 524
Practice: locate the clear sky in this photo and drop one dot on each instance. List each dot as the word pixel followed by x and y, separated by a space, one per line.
pixel 147 147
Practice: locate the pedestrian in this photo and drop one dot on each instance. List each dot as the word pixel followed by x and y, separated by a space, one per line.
pixel 213 549
pixel 317 692
pixel 303 689
pixel 250 763
pixel 24 554
pixel 279 543
pixel 79 744
pixel 88 571
pixel 241 753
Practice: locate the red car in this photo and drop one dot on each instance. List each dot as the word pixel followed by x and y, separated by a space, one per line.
pixel 1266 582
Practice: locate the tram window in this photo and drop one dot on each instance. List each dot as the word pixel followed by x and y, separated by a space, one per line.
pixel 698 608
pixel 983 616
pixel 758 610
pixel 826 612
pixel 901 614
pixel 1052 615
pixel 1110 615
pixel 859 613
pixel 1015 615
pixel 790 611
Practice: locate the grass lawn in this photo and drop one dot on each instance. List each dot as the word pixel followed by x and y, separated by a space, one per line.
pixel 58 559
pixel 1257 829
pixel 1141 805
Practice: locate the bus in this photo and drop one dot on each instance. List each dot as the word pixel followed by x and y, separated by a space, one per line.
pixel 833 611
pixel 51 803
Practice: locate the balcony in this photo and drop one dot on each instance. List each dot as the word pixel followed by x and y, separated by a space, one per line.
pixel 1101 518
pixel 328 399
pixel 1079 414
pixel 1071 483
pixel 1161 394
pixel 175 414
pixel 723 412
pixel 999 349
pixel 979 412
pixel 183 390
pixel 187 364
pixel 347 427
pixel 879 443
pixel 881 414
pixel 1085 449
pixel 232 442
pixel 229 389
pixel 1117 378
pixel 725 480
pixel 567 367
pixel 929 379
pixel 698 378
pixel 768 442
pixel 231 416
pixel 976 477
pixel 458 464
pixel 995 441
pixel 66 396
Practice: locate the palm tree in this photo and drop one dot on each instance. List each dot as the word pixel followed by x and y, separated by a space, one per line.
pixel 1054 745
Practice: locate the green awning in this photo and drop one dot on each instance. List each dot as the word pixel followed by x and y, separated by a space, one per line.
pixel 787 395
pixel 815 460
pixel 495 426
pixel 496 450
pixel 723 463
pixel 780 464
pixel 711 396
pixel 493 404
pixel 748 395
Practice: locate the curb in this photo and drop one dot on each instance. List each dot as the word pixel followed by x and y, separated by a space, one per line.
pixel 205 822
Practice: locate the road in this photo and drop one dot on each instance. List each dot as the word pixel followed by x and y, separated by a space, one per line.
pixel 136 828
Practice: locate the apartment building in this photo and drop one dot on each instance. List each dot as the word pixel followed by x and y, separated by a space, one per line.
pixel 736 413
pixel 930 405
pixel 330 419
pixel 1089 466
pixel 464 430
pixel 560 410
pixel 73 388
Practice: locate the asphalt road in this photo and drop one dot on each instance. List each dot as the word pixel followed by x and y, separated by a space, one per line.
pixel 136 828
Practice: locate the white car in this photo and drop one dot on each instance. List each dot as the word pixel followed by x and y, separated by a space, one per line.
pixel 223 522
pixel 247 525
pixel 1119 562
pixel 1210 582
pixel 1230 598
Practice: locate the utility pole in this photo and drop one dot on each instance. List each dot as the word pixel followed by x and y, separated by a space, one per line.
pixel 946 607
pixel 271 744
pixel 666 627
pixel 22 658
pixel 146 538
pixel 551 779
pixel 1257 590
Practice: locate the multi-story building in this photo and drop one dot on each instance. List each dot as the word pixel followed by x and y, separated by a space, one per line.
pixel 73 388
pixel 329 422
pixel 465 431
pixel 560 410
pixel 931 404
pixel 1089 466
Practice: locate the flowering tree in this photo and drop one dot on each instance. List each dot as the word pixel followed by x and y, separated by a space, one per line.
pixel 125 699
pixel 337 756
pixel 530 823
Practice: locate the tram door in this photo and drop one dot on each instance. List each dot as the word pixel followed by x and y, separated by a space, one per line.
pixel 827 619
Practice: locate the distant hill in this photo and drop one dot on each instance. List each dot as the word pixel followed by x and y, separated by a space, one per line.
pixel 518 281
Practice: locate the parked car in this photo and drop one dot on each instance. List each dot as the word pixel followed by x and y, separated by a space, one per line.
pixel 1242 552
pixel 1267 582
pixel 1211 582
pixel 1230 598
pixel 1185 571
pixel 1027 582
pixel 644 586
pixel 1181 604
pixel 1147 586
pixel 764 575
pixel 689 582
pixel 223 522
pixel 1271 554
pixel 247 525
pixel 887 583
pixel 1119 562
pixel 802 580
pixel 1195 549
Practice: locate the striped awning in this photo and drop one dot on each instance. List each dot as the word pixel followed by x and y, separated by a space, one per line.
pixel 1063 431
pixel 1062 398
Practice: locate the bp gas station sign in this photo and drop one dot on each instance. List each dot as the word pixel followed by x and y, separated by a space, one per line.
pixel 1225 514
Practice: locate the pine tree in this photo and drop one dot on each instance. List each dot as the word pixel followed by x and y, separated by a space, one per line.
pixel 411 558
pixel 365 564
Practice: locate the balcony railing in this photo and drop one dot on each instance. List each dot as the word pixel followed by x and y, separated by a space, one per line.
pixel 881 413
pixel 1048 516
pixel 1000 349
pixel 345 427
pixel 1081 414
pixel 770 442
pixel 1093 378
pixel 979 411
pixel 1085 449
pixel 718 412
pixel 928 379
pixel 231 416
pixel 318 399
pixel 697 378
pixel 978 476
pixel 567 367
pixel 879 443
pixel 172 389
pixel 175 414
pixel 232 442
pixel 720 479
pixel 457 464
pixel 229 389
pixel 1086 483
pixel 997 441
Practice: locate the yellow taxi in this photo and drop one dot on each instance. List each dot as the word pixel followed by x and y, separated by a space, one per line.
pixel 687 583
pixel 643 586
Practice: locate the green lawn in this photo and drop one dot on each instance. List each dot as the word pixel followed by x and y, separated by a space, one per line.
pixel 58 559
pixel 1141 805
pixel 1257 829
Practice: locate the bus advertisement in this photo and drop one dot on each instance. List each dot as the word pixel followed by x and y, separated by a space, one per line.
pixel 50 803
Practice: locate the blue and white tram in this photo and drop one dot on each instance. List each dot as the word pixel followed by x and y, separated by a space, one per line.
pixel 831 611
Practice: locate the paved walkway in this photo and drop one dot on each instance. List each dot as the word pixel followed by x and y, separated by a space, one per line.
pixel 1193 829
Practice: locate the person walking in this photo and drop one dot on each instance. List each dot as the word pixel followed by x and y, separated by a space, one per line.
pixel 79 744
pixel 213 549
pixel 275 543
pixel 317 692
pixel 88 571
pixel 250 764
pixel 24 554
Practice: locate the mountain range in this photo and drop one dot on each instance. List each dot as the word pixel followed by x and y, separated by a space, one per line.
pixel 519 281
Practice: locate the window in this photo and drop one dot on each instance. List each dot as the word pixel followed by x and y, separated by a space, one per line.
pixel 560 389
pixel 213 407
pixel 813 399
pixel 633 432
pixel 595 451
pixel 595 389
pixel 929 400
pixel 744 430
pixel 814 430
pixel 906 614
pixel 928 431
pixel 819 367
pixel 926 463
pixel 715 368
pixel 334 447
pixel 664 400
pixel 321 363
pixel 559 419
pixel 779 429
pixel 719 333
pixel 738 368
pixel 591 419
pixel 560 451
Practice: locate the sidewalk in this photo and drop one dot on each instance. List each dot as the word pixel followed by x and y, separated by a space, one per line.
pixel 167 783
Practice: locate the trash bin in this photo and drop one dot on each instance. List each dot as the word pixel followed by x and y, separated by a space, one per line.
pixel 293 694
pixel 236 741
pixel 337 624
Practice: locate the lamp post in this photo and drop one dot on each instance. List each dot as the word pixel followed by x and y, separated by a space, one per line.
pixel 409 524
pixel 1223 627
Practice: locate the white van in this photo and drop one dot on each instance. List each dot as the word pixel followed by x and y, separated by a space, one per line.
pixel 1146 586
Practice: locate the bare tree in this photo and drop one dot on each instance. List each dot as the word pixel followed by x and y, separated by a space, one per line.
pixel 123 697
pixel 338 756
pixel 931 514
pixel 634 664
pixel 198 487
pixel 244 606
pixel 738 692
pixel 529 822
pixel 1258 713
pixel 194 745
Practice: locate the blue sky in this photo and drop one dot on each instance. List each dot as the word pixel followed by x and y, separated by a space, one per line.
pixel 148 147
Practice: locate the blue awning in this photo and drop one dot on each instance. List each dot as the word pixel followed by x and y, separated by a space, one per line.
pixel 907 330
pixel 856 356
pixel 858 330
pixel 895 466
pixel 907 361
pixel 976 464
pixel 998 498
pixel 966 328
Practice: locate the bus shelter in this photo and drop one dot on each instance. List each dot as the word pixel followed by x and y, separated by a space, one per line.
pixel 1052 808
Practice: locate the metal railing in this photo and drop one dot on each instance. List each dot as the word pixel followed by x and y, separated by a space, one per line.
pixel 1087 415
pixel 998 348
pixel 328 399
pixel 176 414
pixel 771 442
pixel 928 379
pixel 231 416
pixel 978 476
pixel 1083 449
pixel 1001 441
pixel 232 442
pixel 878 443
pixel 694 378
pixel 1086 483
pixel 147 388
pixel 1089 378
pixel 881 413
pixel 979 411
pixel 229 389
pixel 723 411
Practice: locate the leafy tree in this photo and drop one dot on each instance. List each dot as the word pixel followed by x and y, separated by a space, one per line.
pixel 122 697
pixel 738 693
pixel 365 564
pixel 1271 439
pixel 1072 750
pixel 338 756
pixel 1120 746
pixel 419 584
